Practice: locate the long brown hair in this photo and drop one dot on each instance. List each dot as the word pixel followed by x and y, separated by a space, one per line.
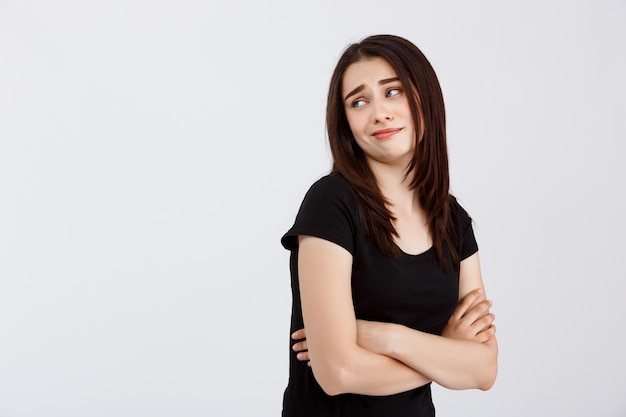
pixel 430 160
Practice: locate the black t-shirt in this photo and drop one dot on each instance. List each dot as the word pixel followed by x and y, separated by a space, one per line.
pixel 411 290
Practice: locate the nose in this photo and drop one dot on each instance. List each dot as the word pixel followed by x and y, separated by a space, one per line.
pixel 381 113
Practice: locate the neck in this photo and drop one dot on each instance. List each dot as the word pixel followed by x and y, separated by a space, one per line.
pixel 394 184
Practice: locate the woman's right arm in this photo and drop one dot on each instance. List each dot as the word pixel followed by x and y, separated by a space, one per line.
pixel 339 364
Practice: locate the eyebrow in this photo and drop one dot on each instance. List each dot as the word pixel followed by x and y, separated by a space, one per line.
pixel 362 86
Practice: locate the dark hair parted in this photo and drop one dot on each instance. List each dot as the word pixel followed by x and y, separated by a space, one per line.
pixel 429 165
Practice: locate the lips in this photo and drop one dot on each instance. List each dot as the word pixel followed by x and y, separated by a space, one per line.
pixel 385 133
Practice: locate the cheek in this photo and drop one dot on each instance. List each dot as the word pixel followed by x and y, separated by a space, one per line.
pixel 405 110
pixel 406 115
pixel 356 123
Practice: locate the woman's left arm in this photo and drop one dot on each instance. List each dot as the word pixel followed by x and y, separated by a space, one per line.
pixel 454 360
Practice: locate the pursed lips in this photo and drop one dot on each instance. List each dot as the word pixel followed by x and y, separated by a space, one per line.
pixel 385 133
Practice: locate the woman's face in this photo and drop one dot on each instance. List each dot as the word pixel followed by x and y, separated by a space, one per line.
pixel 377 109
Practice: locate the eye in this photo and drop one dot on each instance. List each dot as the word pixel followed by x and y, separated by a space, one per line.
pixel 393 92
pixel 358 103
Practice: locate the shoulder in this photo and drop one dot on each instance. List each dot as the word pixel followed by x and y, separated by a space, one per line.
pixel 331 189
pixel 467 245
pixel 458 212
pixel 327 211
pixel 333 184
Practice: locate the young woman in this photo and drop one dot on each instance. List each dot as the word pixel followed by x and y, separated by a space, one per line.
pixel 386 283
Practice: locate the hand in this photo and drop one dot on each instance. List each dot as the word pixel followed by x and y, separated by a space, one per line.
pixel 301 347
pixel 471 319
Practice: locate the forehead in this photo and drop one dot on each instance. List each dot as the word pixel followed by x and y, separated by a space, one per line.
pixel 367 72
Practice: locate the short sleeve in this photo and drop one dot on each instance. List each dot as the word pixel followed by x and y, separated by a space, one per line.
pixel 328 211
pixel 467 241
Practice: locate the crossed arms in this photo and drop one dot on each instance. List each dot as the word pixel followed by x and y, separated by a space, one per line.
pixel 372 358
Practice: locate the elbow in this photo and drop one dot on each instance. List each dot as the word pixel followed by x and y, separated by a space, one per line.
pixel 332 380
pixel 482 380
pixel 331 389
pixel 488 377
pixel 487 384
pixel 490 370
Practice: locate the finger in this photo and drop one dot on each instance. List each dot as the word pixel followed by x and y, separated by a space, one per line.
pixel 477 300
pixel 483 337
pixel 467 302
pixel 479 310
pixel 300 346
pixel 298 334
pixel 303 356
pixel 486 334
pixel 483 323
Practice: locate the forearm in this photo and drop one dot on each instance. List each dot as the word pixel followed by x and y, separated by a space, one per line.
pixel 454 364
pixel 367 373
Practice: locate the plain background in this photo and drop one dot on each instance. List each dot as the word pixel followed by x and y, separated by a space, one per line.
pixel 152 153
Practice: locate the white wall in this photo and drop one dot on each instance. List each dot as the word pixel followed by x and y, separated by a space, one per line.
pixel 152 153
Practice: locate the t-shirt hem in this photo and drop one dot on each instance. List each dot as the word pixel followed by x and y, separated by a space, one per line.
pixel 290 240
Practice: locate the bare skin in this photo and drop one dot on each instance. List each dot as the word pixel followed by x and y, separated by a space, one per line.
pixel 471 321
